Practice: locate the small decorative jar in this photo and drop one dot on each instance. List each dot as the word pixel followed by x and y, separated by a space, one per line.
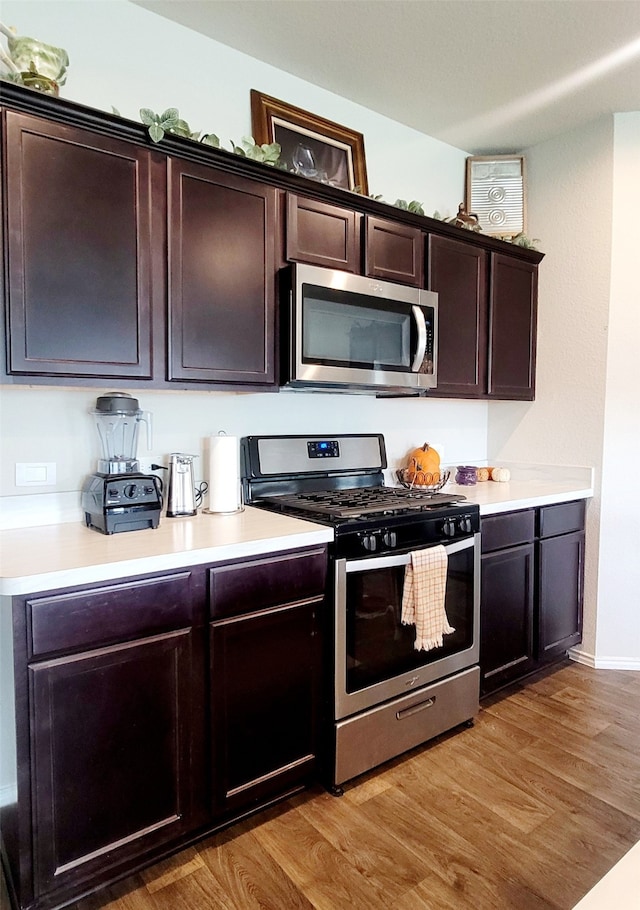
pixel 466 474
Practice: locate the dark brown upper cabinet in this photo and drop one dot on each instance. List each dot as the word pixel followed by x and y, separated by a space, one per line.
pixel 458 273
pixel 512 328
pixel 156 265
pixel 221 276
pixel 79 241
pixel 393 251
pixel 322 234
pixel 487 321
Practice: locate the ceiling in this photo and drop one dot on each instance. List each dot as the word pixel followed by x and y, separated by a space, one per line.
pixel 486 76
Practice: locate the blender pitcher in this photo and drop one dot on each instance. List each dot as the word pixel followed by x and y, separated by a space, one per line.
pixel 118 418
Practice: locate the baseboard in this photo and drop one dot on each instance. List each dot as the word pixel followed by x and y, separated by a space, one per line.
pixel 603 663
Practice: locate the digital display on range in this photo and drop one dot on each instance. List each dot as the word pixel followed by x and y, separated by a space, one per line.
pixel 323 448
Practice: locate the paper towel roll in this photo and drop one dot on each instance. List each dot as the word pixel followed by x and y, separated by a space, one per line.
pixel 224 474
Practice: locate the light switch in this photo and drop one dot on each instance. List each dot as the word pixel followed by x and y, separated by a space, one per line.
pixel 35 474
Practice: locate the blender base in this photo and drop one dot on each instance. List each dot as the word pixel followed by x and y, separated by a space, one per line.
pixel 114 503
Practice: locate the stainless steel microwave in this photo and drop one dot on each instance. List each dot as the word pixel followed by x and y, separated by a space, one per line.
pixel 349 332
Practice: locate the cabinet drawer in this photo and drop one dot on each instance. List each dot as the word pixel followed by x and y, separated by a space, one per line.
pixel 508 530
pixel 561 519
pixel 252 585
pixel 97 616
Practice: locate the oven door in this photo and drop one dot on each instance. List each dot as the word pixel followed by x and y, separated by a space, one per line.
pixel 375 658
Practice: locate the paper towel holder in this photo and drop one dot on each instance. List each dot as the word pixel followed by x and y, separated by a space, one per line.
pixel 239 496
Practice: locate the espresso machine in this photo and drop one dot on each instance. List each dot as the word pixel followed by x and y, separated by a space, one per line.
pixel 118 497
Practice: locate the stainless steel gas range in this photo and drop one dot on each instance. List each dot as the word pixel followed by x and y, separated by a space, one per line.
pixel 387 697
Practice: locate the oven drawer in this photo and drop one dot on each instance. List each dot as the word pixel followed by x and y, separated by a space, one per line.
pixel 371 738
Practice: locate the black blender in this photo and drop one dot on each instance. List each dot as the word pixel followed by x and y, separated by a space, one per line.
pixel 118 497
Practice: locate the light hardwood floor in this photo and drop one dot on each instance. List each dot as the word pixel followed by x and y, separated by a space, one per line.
pixel 528 809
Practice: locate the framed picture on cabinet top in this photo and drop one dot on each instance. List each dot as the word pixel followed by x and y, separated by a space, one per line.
pixel 495 192
pixel 310 145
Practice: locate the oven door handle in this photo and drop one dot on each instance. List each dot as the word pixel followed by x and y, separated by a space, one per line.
pixel 402 559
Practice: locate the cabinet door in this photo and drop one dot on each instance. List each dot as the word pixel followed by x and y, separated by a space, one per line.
pixel 112 747
pixel 322 234
pixel 458 273
pixel 506 616
pixel 512 334
pixel 560 588
pixel 221 276
pixel 264 688
pixel 78 252
pixel 393 251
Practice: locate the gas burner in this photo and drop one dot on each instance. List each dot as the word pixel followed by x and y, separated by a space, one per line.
pixel 359 503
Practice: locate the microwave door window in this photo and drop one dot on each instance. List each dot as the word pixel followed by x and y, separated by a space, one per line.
pixel 343 334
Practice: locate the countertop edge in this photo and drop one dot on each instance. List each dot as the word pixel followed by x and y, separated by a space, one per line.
pixel 530 502
pixel 161 562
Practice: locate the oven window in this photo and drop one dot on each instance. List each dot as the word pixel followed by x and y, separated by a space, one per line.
pixel 379 647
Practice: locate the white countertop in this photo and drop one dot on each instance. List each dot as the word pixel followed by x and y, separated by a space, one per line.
pixel 530 485
pixel 61 555
pixel 55 556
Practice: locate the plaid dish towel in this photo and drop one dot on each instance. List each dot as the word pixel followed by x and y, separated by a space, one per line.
pixel 425 583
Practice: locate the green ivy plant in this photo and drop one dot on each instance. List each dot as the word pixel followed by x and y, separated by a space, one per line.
pixel 171 122
pixel 413 206
pixel 266 153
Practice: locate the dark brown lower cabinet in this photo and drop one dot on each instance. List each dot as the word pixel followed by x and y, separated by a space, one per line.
pixel 110 732
pixel 112 740
pixel 532 587
pixel 264 683
pixel 560 592
pixel 153 710
pixel 506 640
pixel 265 663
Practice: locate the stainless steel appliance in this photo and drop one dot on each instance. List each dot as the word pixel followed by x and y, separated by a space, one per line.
pixel 386 696
pixel 118 497
pixel 349 332
pixel 181 497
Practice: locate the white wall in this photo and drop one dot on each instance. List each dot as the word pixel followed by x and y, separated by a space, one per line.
pixel 54 425
pixel 618 632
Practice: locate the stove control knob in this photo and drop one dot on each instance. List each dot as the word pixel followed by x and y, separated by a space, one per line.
pixel 370 542
pixel 465 524
pixel 449 527
pixel 390 539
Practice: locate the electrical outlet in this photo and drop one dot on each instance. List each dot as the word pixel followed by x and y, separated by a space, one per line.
pixel 35 474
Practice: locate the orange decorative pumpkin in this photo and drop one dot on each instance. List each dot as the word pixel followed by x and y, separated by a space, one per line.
pixel 424 460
